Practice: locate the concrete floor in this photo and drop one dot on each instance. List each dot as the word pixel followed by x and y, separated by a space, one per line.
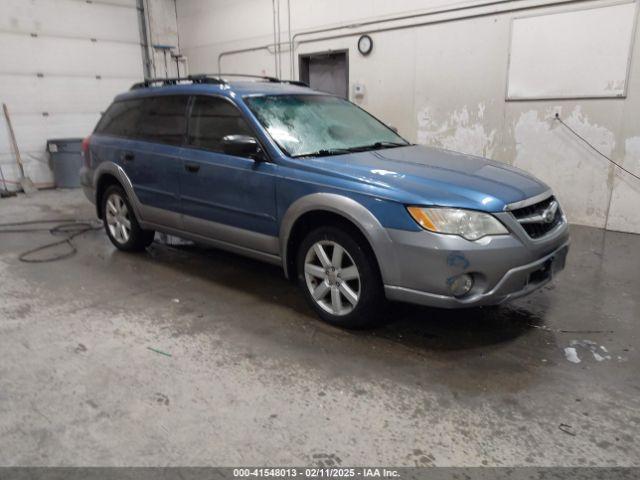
pixel 255 379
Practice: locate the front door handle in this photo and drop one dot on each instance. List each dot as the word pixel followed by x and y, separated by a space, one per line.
pixel 191 167
pixel 127 157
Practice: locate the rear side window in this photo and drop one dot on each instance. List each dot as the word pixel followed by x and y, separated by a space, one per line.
pixel 212 119
pixel 163 119
pixel 155 119
pixel 121 119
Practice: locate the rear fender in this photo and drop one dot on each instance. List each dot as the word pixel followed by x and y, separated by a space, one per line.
pixel 110 168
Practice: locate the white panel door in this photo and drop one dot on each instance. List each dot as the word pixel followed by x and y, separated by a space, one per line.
pixel 61 64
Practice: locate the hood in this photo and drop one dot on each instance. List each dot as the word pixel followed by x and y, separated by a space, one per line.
pixel 429 176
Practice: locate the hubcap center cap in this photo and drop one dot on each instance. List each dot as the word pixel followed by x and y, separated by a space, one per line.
pixel 333 276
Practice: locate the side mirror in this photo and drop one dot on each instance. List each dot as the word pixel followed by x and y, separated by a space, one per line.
pixel 242 146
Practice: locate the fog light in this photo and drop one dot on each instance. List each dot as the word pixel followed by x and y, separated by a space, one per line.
pixel 461 285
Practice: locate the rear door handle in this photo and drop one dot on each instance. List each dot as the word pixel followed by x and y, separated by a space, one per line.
pixel 191 167
pixel 127 157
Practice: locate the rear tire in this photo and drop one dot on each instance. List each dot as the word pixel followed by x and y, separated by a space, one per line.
pixel 120 222
pixel 339 277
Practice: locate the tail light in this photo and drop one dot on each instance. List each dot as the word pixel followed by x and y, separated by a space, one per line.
pixel 86 159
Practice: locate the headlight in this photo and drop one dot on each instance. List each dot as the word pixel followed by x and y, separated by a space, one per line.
pixel 468 224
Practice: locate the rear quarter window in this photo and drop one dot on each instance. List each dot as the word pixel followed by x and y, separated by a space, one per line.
pixel 155 119
pixel 121 119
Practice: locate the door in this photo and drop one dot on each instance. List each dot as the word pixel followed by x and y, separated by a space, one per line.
pixel 225 197
pixel 152 160
pixel 326 72
pixel 79 75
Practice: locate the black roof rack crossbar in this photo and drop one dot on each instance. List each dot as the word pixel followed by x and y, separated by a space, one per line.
pixel 218 79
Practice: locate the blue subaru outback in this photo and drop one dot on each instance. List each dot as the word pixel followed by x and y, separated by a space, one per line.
pixel 308 181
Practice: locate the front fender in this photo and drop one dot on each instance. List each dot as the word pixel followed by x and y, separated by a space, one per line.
pixel 351 210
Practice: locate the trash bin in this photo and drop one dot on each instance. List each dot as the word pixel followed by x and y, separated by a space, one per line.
pixel 66 160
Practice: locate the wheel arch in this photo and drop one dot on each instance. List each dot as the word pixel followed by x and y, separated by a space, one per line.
pixel 317 209
pixel 104 182
pixel 108 174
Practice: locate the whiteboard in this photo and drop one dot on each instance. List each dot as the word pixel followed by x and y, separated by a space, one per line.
pixel 574 54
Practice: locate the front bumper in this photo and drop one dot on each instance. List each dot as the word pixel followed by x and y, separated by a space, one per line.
pixel 503 267
pixel 517 282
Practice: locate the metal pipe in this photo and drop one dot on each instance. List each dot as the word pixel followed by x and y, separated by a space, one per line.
pixel 150 39
pixel 293 38
pixel 447 20
pixel 166 69
pixel 243 50
pixel 289 32
pixel 275 59
pixel 292 44
pixel 279 43
pixel 142 25
pixel 398 18
pixel 175 9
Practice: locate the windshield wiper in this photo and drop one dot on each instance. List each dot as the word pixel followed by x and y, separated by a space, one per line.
pixel 378 146
pixel 325 152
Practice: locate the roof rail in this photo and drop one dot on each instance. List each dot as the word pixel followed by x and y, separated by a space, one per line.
pixel 299 83
pixel 161 82
pixel 246 75
pixel 218 79
pixel 261 77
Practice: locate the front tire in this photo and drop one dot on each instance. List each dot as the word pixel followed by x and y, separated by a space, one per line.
pixel 120 222
pixel 339 277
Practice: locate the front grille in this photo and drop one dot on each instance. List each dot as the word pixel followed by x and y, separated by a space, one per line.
pixel 532 220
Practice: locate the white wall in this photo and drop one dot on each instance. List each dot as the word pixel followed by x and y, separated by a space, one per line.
pixel 61 64
pixel 444 84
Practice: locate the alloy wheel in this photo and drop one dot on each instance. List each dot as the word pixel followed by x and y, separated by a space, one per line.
pixel 118 219
pixel 332 277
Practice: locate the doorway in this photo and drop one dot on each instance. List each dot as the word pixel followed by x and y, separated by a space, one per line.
pixel 327 72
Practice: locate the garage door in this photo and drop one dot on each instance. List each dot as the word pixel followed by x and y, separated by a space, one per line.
pixel 61 64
